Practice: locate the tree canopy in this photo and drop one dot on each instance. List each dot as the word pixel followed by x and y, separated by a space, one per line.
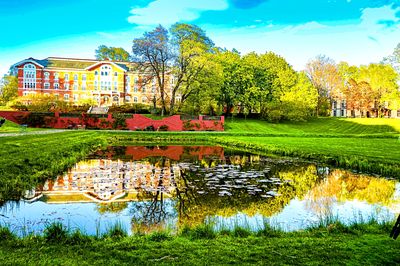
pixel 118 54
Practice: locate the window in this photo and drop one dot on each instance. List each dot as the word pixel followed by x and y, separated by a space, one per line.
pixel 46 75
pixel 29 76
pixel 96 73
pixel 128 98
pixel 115 86
pixel 153 89
pixel 144 99
pixel 144 89
pixel 135 99
pixel 76 77
pixel 56 86
pixel 115 74
pixel 56 96
pixel 136 80
pixel 83 87
pixel 66 97
pixel 66 77
pixel 96 85
pixel 66 86
pixel 75 87
pixel 46 86
pixel 84 77
pixel 135 89
pixel 115 98
pixel 76 97
pixel 55 76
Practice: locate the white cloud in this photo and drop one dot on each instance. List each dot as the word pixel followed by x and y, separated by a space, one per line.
pixel 357 42
pixel 167 12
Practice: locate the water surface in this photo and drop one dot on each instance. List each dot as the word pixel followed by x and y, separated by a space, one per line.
pixel 147 188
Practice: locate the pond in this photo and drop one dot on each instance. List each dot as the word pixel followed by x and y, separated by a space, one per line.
pixel 148 188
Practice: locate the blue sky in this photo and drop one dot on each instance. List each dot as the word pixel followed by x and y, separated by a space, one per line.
pixel 356 31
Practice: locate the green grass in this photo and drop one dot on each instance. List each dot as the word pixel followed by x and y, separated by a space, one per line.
pixel 327 126
pixel 11 127
pixel 28 160
pixel 332 246
pixel 369 145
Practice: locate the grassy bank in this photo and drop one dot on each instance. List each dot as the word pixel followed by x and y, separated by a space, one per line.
pixel 362 245
pixel 26 161
pixel 320 126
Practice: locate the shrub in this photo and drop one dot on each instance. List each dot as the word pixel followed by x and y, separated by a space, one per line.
pixel 56 232
pixel 163 128
pixel 149 128
pixel 116 231
pixel 159 236
pixel 6 234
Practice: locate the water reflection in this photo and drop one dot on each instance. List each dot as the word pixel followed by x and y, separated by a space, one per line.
pixel 153 188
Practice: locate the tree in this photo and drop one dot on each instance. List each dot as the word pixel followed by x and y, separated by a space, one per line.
pixel 325 77
pixel 394 59
pixel 175 58
pixel 192 48
pixel 300 101
pixel 383 82
pixel 233 79
pixel 152 55
pixel 8 89
pixel 118 54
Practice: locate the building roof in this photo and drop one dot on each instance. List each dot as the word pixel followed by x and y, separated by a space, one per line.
pixel 71 63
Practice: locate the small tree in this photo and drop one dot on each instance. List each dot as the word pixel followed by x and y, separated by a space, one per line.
pixel 8 89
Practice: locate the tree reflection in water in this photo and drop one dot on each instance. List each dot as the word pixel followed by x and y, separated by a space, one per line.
pixel 175 186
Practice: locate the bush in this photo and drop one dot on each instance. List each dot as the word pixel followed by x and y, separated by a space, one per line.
pixel 6 234
pixel 56 232
pixel 163 128
pixel 149 128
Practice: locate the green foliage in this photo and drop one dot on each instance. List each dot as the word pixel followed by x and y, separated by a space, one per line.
pixel 8 89
pixel 56 232
pixel 313 247
pixel 203 231
pixel 159 236
pixel 116 231
pixel 6 234
pixel 104 52
pixel 119 121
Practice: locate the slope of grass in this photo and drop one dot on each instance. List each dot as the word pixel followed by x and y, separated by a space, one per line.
pixel 317 126
pixel 27 160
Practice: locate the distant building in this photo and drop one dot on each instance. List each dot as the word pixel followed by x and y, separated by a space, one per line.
pixel 106 82
pixel 339 108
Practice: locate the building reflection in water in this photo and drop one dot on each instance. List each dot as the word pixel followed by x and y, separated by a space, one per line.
pixel 206 182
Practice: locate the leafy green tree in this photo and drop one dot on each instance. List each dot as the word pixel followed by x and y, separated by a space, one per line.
pixel 8 89
pixel 192 47
pixel 383 82
pixel 300 101
pixel 234 80
pixel 118 54
pixel 175 58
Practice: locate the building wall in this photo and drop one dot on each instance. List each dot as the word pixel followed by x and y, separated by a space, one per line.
pixel 83 85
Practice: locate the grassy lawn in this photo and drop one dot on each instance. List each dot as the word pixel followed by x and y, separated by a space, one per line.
pixel 316 248
pixel 329 126
pixel 10 127
pixel 369 145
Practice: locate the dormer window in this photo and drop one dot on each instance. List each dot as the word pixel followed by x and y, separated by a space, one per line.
pixel 29 76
